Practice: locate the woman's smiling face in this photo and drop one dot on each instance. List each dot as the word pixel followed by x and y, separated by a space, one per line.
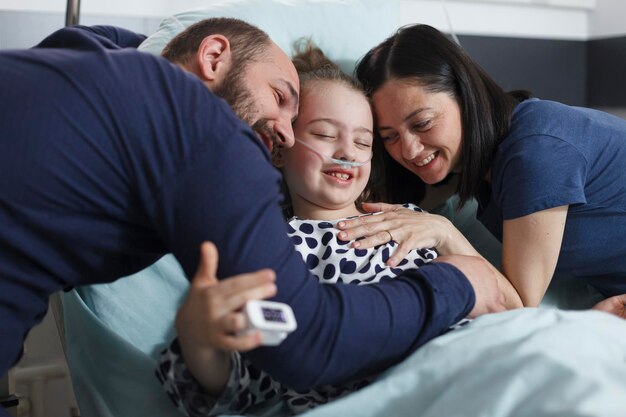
pixel 420 129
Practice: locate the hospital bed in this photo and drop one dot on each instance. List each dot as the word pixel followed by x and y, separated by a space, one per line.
pixel 530 362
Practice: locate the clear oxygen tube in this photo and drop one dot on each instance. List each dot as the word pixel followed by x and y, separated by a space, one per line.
pixel 341 162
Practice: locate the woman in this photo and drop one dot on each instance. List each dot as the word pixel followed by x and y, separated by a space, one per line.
pixel 550 179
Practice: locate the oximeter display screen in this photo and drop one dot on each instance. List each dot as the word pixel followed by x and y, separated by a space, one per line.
pixel 273 314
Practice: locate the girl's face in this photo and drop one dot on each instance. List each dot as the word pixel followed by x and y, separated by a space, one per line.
pixel 421 130
pixel 336 121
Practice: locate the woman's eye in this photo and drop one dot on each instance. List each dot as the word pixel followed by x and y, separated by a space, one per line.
pixel 388 138
pixel 422 125
pixel 363 144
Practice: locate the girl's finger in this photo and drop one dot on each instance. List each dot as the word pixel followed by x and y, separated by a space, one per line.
pixel 234 323
pixel 231 294
pixel 205 275
pixel 236 300
pixel 241 342
pixel 243 282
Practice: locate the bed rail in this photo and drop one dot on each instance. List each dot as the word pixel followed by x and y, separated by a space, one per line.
pixel 72 12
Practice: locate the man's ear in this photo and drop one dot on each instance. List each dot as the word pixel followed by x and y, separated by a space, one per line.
pixel 214 58
pixel 277 157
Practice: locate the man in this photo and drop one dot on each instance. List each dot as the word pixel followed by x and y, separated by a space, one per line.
pixel 110 158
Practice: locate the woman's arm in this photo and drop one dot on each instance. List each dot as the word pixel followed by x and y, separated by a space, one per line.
pixel 530 250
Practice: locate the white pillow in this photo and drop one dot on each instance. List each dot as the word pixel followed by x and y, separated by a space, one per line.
pixel 344 29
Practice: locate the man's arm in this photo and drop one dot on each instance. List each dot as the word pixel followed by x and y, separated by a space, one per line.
pixel 109 37
pixel 121 37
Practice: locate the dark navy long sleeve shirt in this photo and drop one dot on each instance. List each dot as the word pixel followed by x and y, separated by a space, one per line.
pixel 110 158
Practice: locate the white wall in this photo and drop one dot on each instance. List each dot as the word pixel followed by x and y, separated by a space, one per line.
pixel 608 19
pixel 137 8
pixel 509 18
pixel 557 19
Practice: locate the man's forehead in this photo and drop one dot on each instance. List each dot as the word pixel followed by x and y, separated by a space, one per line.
pixel 278 57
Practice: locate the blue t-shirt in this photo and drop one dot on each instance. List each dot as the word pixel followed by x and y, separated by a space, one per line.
pixel 110 158
pixel 557 155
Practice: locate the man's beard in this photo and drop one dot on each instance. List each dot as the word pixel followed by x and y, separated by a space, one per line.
pixel 240 99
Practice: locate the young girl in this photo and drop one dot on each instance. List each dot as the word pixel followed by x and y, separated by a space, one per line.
pixel 326 173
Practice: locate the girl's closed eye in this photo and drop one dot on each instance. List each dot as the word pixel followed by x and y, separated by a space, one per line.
pixel 362 143
pixel 323 135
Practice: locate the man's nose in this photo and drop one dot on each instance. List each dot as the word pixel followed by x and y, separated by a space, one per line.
pixel 284 134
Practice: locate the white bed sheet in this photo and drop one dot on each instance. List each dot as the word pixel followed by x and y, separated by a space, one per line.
pixel 522 363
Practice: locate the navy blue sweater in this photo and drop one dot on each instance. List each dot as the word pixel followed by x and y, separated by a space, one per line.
pixel 110 158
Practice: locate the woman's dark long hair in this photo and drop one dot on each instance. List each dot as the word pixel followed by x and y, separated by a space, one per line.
pixel 423 55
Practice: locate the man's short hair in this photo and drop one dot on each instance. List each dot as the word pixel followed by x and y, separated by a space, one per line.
pixel 247 42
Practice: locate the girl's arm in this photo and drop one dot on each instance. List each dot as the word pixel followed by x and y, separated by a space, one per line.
pixel 530 250
pixel 246 386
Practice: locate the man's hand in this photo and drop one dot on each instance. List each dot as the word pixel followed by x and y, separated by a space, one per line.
pixel 211 319
pixel 485 280
pixel 614 305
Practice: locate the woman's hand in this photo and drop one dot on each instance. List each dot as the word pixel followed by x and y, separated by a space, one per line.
pixel 211 319
pixel 410 229
pixel 614 305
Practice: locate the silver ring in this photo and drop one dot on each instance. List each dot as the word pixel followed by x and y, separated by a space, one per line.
pixel 390 235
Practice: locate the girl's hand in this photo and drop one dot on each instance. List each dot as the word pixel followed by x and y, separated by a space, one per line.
pixel 209 321
pixel 410 229
pixel 212 316
pixel 614 305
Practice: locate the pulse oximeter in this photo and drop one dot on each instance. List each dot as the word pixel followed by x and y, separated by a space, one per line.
pixel 274 320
